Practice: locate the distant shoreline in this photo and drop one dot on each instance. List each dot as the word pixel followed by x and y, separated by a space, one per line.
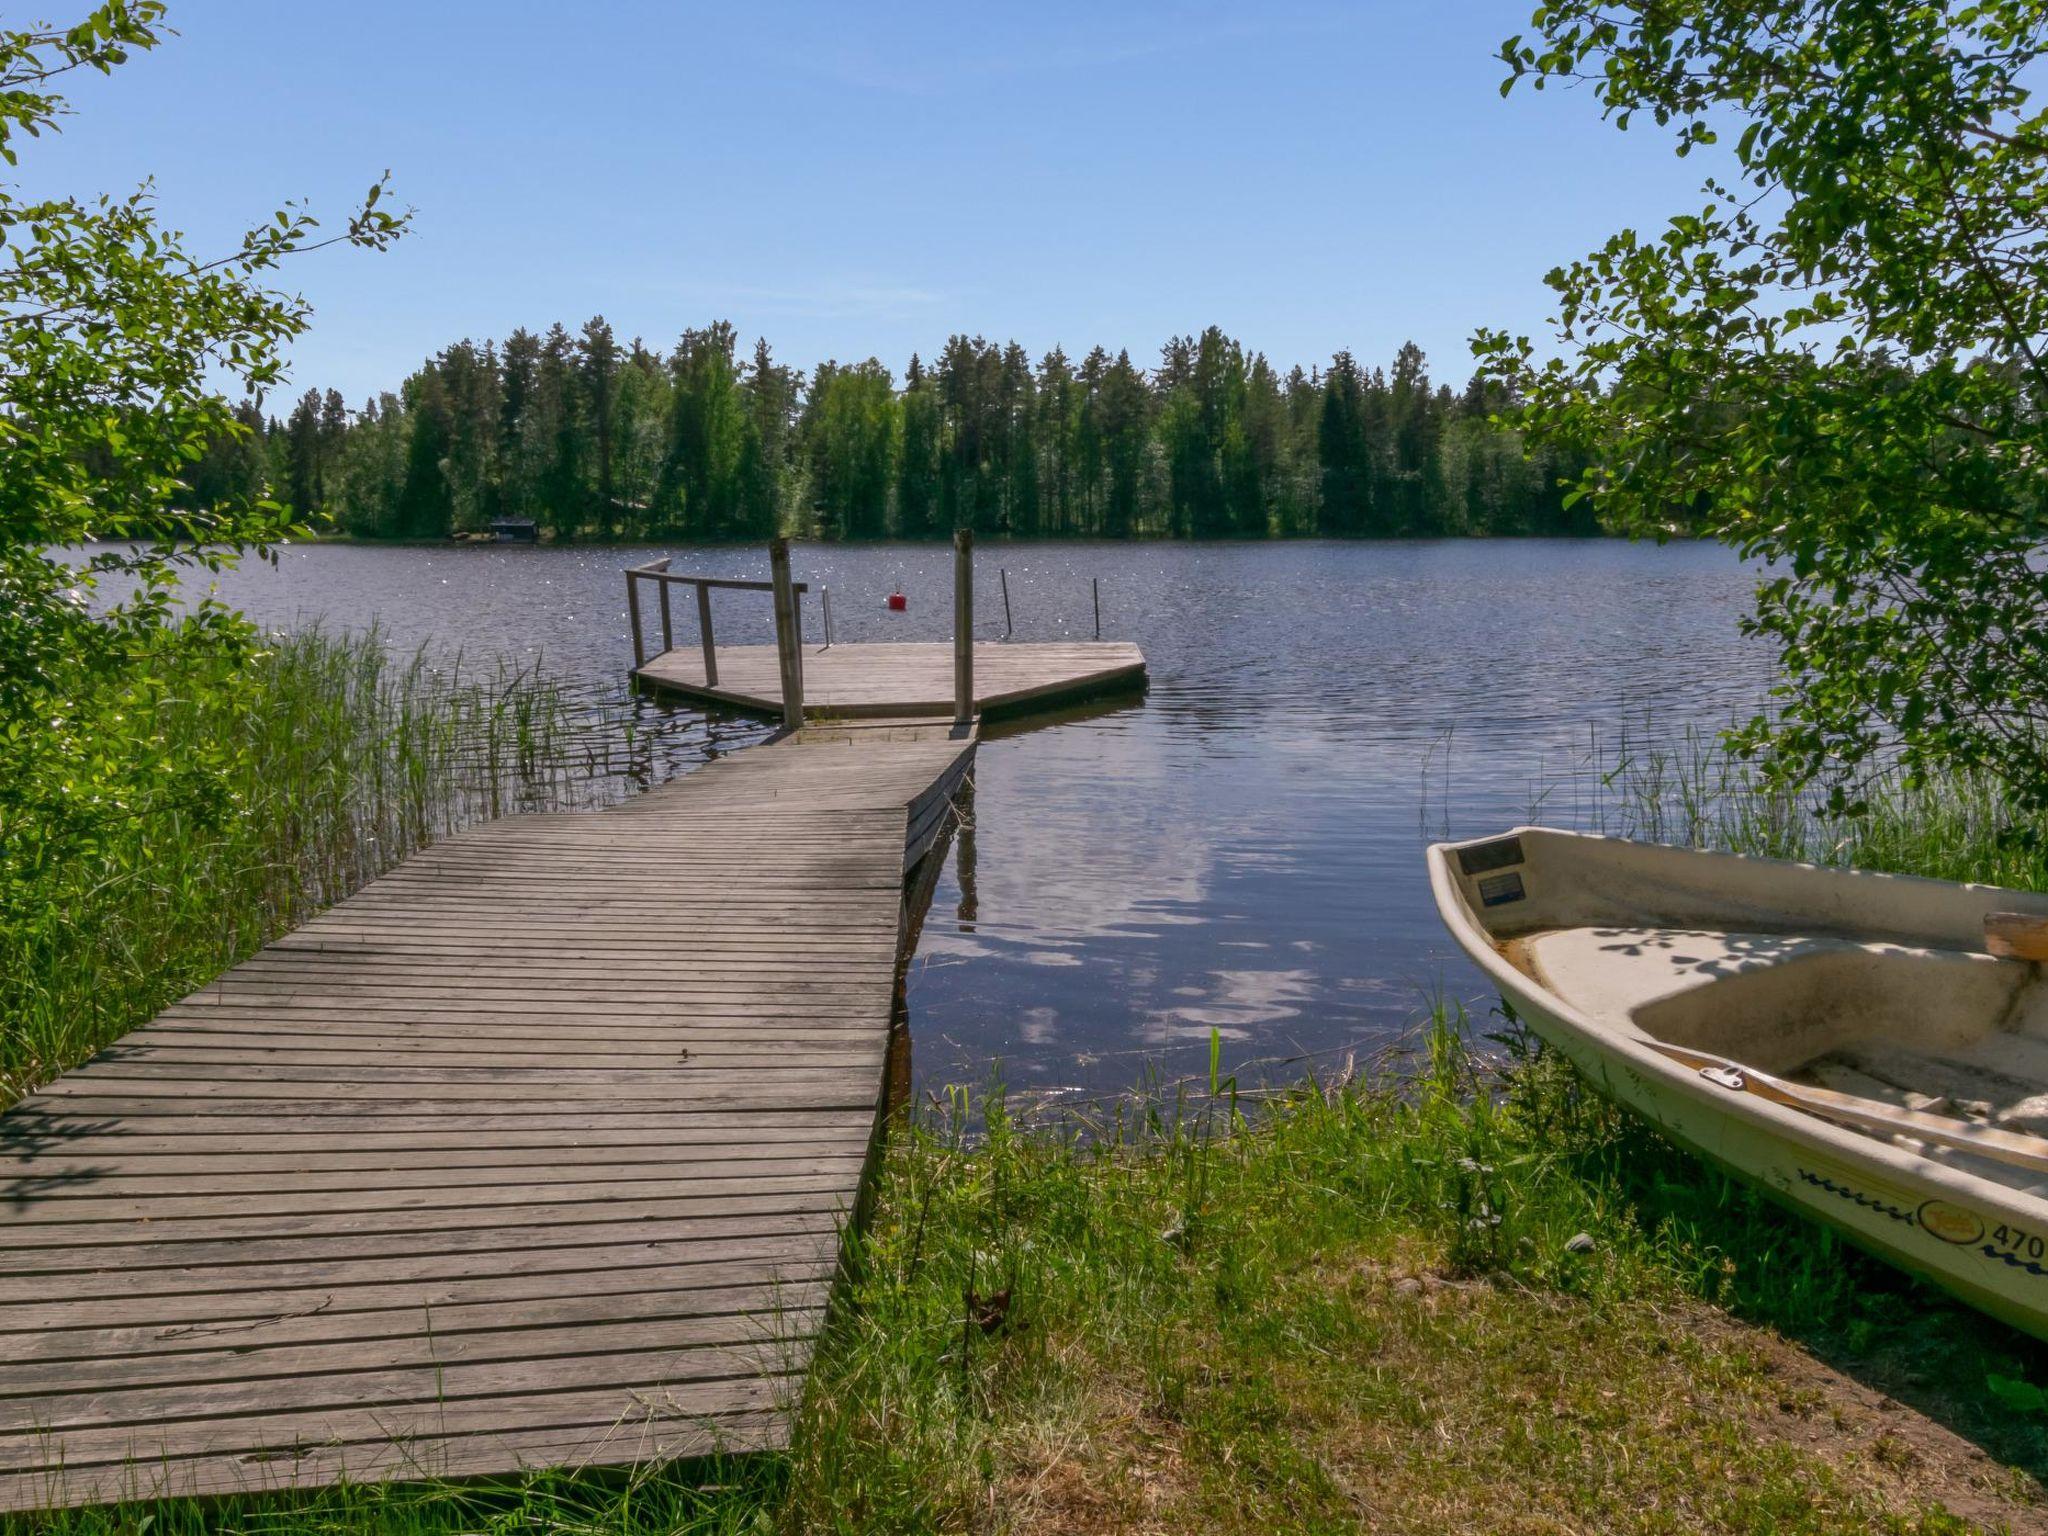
pixel 646 541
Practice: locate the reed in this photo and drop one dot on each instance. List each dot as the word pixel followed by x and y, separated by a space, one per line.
pixel 1686 788
pixel 344 759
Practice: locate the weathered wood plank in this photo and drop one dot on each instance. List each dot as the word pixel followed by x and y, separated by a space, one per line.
pixel 172 1289
pixel 913 679
pixel 68 1327
pixel 538 1148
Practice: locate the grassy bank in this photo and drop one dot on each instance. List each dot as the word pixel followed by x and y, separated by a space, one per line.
pixel 341 758
pixel 1440 1296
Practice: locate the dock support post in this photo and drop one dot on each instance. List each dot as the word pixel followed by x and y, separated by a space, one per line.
pixel 704 633
pixel 1009 629
pixel 963 625
pixel 668 623
pixel 1095 585
pixel 788 645
pixel 633 618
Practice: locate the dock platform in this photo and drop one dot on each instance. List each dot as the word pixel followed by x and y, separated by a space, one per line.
pixel 860 680
pixel 535 1151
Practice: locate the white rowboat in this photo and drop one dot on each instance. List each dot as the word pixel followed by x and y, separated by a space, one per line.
pixel 1870 1049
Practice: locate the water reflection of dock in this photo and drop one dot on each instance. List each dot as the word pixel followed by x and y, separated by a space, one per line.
pixel 538 1150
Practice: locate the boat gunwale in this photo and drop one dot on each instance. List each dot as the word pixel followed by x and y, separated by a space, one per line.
pixel 1635 1052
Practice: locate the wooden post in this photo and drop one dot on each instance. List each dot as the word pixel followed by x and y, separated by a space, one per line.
pixel 704 634
pixel 668 627
pixel 633 618
pixel 963 625
pixel 1008 629
pixel 787 643
pixel 825 600
pixel 1095 583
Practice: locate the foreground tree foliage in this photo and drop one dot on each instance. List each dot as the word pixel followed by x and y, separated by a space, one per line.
pixel 113 338
pixel 1835 363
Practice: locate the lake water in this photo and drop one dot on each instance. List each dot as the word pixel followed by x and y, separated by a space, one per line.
pixel 1240 851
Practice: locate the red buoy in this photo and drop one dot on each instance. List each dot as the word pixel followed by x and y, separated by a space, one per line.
pixel 898 602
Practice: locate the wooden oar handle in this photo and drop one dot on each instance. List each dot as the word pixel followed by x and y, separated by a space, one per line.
pixel 2016 935
pixel 2017 1148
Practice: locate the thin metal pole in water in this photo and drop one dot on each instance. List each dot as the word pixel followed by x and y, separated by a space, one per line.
pixel 633 618
pixel 704 634
pixel 1005 575
pixel 963 625
pixel 825 597
pixel 787 643
pixel 1095 582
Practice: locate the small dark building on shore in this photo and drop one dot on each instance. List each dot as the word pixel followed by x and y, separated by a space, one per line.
pixel 515 530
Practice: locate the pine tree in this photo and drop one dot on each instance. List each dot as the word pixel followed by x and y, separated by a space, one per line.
pixel 850 431
pixel 640 437
pixel 551 439
pixel 519 372
pixel 1016 453
pixel 918 473
pixel 1343 452
pixel 598 371
pixel 303 445
pixel 1126 434
pixel 771 393
pixel 1053 438
pixel 425 509
pixel 709 425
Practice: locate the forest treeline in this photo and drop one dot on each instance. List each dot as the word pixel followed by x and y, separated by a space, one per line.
pixel 591 438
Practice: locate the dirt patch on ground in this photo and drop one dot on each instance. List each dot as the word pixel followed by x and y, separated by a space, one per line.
pixel 1117 1469
pixel 1897 1450
pixel 1118 1463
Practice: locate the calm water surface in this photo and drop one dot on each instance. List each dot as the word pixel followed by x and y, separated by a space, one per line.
pixel 1242 850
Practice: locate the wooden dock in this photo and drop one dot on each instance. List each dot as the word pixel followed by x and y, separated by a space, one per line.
pixel 795 678
pixel 535 1151
pixel 853 681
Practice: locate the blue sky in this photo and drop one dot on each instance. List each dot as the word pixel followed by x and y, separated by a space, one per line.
pixel 865 180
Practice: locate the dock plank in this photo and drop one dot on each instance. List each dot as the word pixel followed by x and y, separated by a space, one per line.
pixel 907 679
pixel 537 1150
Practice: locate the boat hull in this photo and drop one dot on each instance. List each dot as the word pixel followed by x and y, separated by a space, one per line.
pixel 1982 1239
pixel 1885 1212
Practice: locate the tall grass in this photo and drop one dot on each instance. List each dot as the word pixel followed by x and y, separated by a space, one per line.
pixel 351 758
pixel 1687 789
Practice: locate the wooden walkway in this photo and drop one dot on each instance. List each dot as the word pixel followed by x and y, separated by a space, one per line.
pixel 535 1151
pixel 907 679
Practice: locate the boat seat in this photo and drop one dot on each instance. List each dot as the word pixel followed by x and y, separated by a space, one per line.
pixel 1616 971
pixel 2000 1079
pixel 1779 1001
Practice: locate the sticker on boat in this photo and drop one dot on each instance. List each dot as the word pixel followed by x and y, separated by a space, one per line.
pixel 1483 858
pixel 1498 890
pixel 1951 1223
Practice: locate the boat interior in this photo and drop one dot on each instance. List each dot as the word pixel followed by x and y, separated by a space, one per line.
pixel 1881 987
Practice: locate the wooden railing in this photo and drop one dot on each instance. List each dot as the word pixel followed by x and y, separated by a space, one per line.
pixel 789 618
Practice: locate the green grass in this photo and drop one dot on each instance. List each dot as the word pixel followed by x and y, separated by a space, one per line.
pixel 349 759
pixel 1446 1295
pixel 1451 1292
